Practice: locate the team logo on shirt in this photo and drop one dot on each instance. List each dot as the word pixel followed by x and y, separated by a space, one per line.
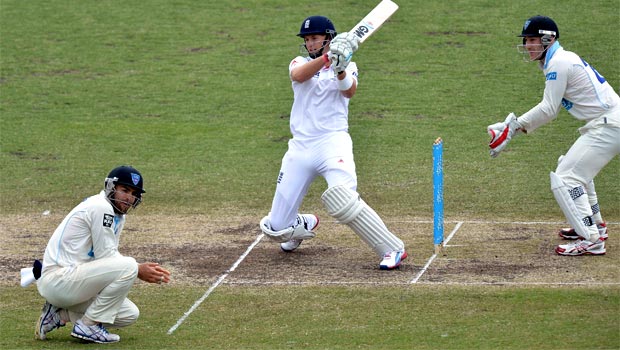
pixel 567 104
pixel 552 76
pixel 108 220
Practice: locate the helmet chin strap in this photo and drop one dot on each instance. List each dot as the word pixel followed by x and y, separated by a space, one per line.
pixel 320 52
pixel 316 54
pixel 543 54
pixel 111 197
pixel 117 210
pixel 546 41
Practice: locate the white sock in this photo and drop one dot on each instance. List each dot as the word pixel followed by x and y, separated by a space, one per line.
pixel 88 322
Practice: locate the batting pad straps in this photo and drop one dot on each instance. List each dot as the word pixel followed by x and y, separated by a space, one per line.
pixel 576 192
pixel 596 209
pixel 296 232
pixel 346 83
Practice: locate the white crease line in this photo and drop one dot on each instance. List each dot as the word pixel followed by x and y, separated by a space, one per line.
pixel 484 222
pixel 217 283
pixel 430 260
pixel 504 222
pixel 370 283
pixel 522 283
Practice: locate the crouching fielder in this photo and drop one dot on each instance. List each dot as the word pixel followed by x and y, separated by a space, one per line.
pixel 84 278
pixel 575 85
pixel 323 83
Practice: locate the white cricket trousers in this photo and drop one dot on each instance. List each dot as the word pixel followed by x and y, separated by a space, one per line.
pixel 330 157
pixel 598 144
pixel 97 289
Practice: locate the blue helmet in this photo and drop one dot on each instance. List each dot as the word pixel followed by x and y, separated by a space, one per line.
pixel 540 26
pixel 127 176
pixel 317 25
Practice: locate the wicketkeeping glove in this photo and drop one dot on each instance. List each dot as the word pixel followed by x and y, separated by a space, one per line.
pixel 348 38
pixel 501 133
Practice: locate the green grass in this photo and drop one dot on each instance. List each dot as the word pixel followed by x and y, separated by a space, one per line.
pixel 421 317
pixel 195 94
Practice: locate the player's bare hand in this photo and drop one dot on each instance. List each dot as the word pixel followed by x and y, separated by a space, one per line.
pixel 153 273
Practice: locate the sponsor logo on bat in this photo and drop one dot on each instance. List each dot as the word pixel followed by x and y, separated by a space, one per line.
pixel 363 29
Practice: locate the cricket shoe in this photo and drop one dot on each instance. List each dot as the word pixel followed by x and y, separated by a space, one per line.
pixel 48 321
pixel 310 222
pixel 582 247
pixel 93 334
pixel 392 260
pixel 570 234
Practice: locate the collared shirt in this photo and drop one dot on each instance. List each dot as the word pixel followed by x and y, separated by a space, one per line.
pixel 573 84
pixel 319 107
pixel 90 231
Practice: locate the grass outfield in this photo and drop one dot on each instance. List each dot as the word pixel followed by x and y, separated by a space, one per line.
pixel 195 94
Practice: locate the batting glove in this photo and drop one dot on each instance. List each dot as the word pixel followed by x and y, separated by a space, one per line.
pixel 340 55
pixel 347 38
pixel 338 63
pixel 501 133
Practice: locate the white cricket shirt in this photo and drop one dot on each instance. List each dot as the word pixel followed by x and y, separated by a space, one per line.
pixel 318 107
pixel 90 231
pixel 575 85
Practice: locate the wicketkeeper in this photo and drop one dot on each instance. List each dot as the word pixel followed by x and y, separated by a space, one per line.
pixel 574 84
pixel 323 83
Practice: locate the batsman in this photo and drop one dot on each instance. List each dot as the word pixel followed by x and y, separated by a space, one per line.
pixel 323 83
pixel 572 83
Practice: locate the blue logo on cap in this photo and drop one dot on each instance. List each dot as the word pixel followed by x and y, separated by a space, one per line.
pixel 135 178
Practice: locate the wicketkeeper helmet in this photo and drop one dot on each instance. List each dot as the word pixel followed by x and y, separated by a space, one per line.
pixel 540 26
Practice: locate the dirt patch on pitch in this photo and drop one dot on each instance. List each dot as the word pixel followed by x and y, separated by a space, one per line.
pixel 200 249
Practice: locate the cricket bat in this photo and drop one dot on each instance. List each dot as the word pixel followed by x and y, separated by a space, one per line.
pixel 374 20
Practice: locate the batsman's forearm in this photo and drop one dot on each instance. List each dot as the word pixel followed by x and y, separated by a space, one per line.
pixel 304 72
